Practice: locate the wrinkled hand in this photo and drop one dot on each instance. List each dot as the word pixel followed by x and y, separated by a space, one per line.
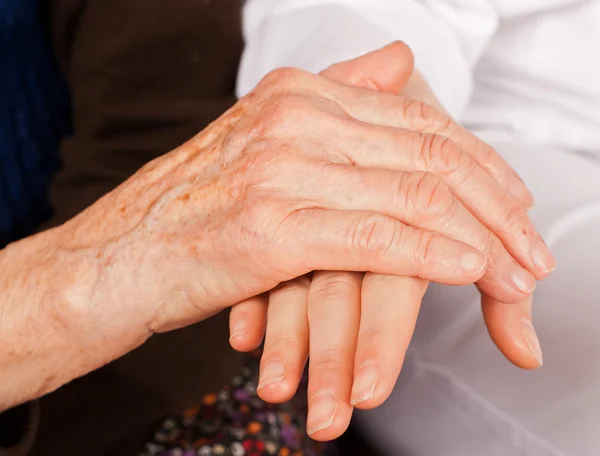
pixel 297 176
pixel 360 325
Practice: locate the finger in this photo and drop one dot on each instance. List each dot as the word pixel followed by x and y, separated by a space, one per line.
pixel 396 111
pixel 389 309
pixel 247 323
pixel 333 315
pixel 424 201
pixel 511 330
pixel 386 70
pixel 321 239
pixel 389 148
pixel 389 70
pixel 286 341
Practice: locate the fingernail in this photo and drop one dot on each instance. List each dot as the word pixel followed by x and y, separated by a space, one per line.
pixel 321 412
pixel 542 257
pixel 273 372
pixel 532 341
pixel 520 191
pixel 363 388
pixel 524 281
pixel 239 329
pixel 473 262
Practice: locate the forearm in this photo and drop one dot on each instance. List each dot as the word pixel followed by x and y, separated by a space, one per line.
pixel 48 333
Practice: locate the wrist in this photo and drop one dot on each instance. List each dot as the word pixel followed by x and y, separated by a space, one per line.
pixel 53 327
pixel 96 303
pixel 32 345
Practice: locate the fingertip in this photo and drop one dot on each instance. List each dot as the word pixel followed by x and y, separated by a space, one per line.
pixel 238 331
pixel 532 343
pixel 328 418
pixel 520 192
pixel 332 432
pixel 244 343
pixel 247 322
pixel 474 264
pixel 524 281
pixel 277 393
pixel 512 332
pixel 371 387
pixel 364 384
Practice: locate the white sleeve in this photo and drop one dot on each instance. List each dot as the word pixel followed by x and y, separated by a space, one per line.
pixel 446 36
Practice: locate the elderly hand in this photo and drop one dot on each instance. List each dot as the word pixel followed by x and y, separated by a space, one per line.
pixel 300 175
pixel 360 327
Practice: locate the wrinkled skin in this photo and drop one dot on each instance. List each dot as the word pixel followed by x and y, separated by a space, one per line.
pixel 303 174
pixel 360 325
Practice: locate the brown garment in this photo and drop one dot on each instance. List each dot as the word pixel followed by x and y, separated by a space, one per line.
pixel 145 75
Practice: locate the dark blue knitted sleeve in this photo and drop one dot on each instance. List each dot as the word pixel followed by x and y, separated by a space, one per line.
pixel 34 111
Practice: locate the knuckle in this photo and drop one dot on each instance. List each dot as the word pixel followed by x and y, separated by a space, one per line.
pixel 328 360
pixel 253 225
pixel 440 154
pixel 490 244
pixel 335 286
pixel 381 331
pixel 280 114
pixel 281 79
pixel 425 253
pixel 284 342
pixel 428 196
pixel 513 216
pixel 484 151
pixel 373 235
pixel 424 117
pixel 278 108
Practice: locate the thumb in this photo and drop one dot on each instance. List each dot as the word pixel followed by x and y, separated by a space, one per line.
pixel 511 330
pixel 385 70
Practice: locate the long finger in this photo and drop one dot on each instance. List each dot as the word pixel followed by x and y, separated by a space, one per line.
pixel 389 309
pixel 320 239
pixel 333 314
pixel 404 150
pixel 512 331
pixel 423 200
pixel 397 111
pixel 286 341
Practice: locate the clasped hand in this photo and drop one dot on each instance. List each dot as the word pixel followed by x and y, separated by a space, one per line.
pixel 360 325
pixel 306 173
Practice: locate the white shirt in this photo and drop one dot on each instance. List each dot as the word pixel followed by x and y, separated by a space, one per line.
pixel 529 68
pixel 524 74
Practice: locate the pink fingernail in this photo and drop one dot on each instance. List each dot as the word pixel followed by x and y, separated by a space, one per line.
pixel 521 192
pixel 273 372
pixel 472 262
pixel 239 329
pixel 524 281
pixel 364 385
pixel 542 257
pixel 321 412
pixel 531 340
